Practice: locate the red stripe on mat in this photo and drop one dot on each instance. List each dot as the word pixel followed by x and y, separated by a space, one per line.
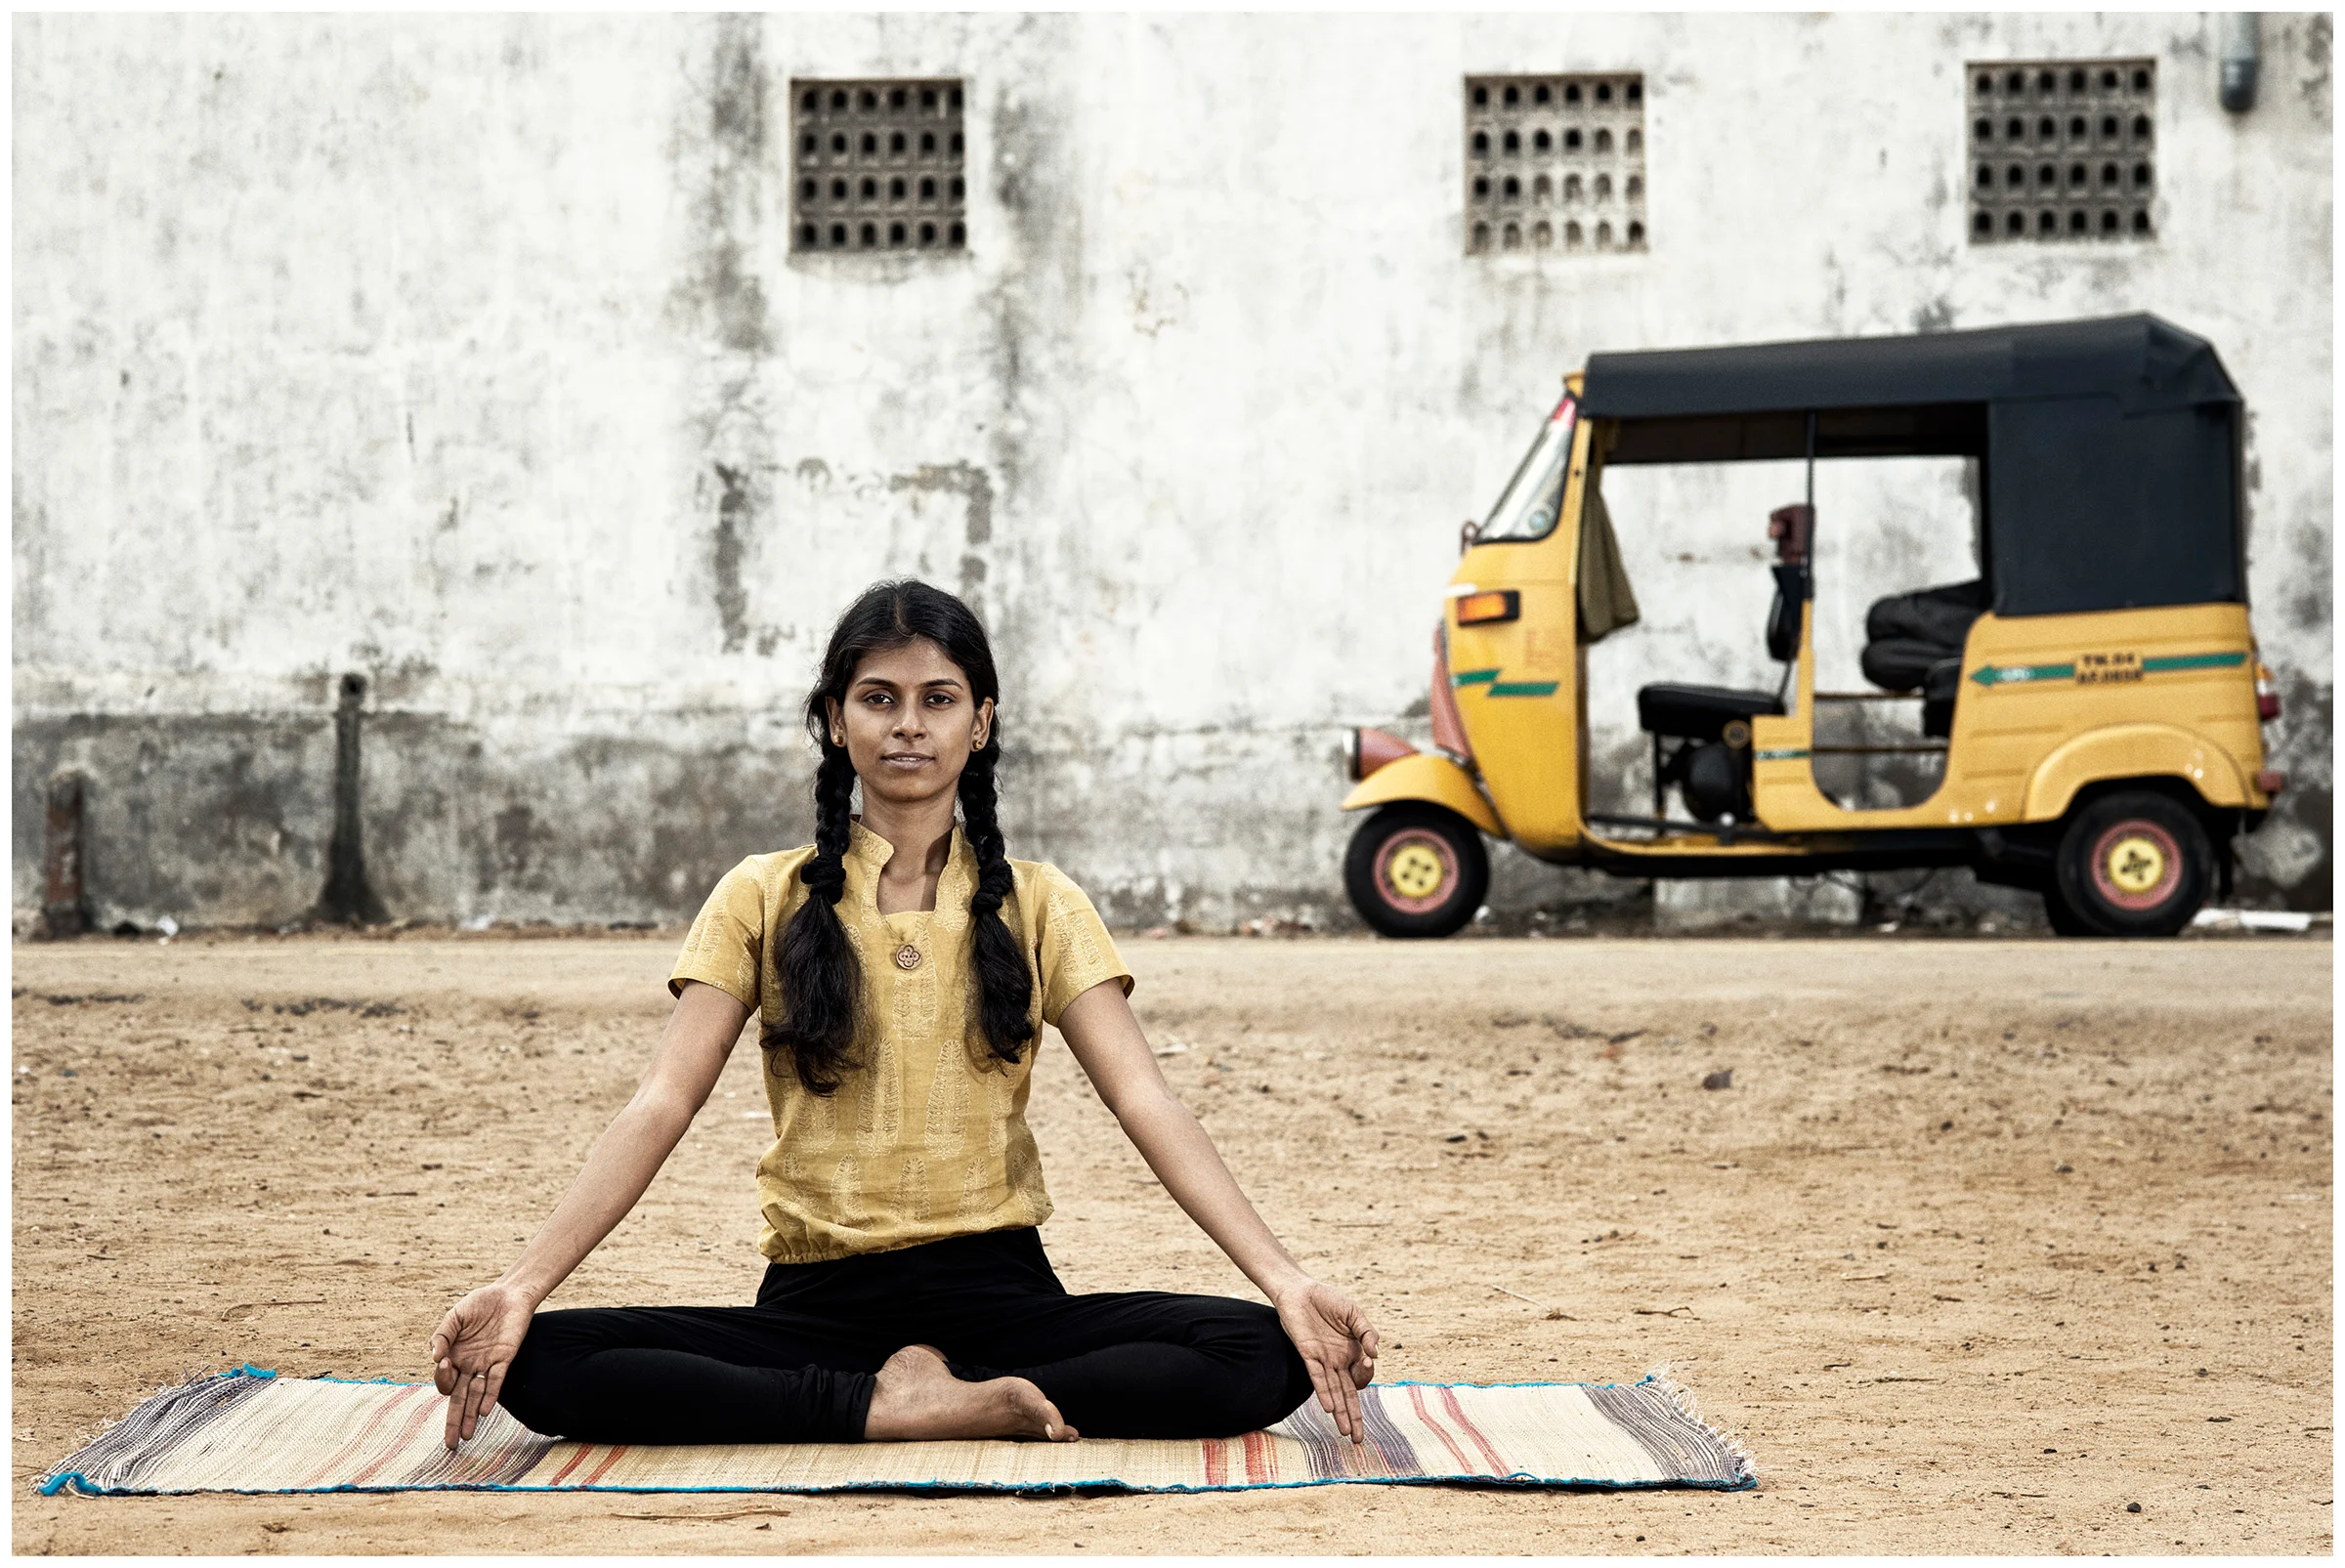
pixel 352 1444
pixel 1217 1461
pixel 600 1470
pixel 414 1424
pixel 1260 1467
pixel 1417 1398
pixel 575 1459
pixel 1457 1413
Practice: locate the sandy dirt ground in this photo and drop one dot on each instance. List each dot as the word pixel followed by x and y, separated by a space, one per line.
pixel 1986 1242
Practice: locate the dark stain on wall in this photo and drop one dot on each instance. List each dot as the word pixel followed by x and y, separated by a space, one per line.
pixel 207 818
pixel 735 513
pixel 2313 82
pixel 580 829
pixel 976 489
pixel 722 148
pixel 721 153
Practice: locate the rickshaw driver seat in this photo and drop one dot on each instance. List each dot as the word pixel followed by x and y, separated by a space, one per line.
pixel 1711 765
pixel 1699 712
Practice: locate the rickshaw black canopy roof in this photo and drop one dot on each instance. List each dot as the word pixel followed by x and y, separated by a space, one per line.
pixel 2110 446
pixel 2144 363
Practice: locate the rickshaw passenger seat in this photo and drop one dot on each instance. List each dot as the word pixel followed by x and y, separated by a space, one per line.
pixel 1908 634
pixel 1699 712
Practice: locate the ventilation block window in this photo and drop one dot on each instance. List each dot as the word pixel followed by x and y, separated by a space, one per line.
pixel 2062 149
pixel 878 166
pixel 1555 165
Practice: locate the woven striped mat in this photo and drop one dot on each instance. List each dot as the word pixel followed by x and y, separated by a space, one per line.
pixel 250 1431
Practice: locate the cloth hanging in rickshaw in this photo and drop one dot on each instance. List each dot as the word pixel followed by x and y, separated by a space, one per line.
pixel 1606 602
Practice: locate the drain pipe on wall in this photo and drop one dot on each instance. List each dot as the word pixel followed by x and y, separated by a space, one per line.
pixel 2242 41
pixel 348 898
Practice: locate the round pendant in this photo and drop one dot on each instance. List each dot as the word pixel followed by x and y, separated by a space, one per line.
pixel 908 956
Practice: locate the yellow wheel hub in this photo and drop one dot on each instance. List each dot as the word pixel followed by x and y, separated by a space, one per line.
pixel 2136 864
pixel 1414 869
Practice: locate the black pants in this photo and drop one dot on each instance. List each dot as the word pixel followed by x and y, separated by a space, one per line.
pixel 799 1366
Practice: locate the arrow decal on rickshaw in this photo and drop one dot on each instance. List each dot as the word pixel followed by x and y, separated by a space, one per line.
pixel 1499 688
pixel 2002 674
pixel 2009 674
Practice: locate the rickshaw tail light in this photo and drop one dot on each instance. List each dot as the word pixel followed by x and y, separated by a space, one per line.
pixel 1481 609
pixel 2271 782
pixel 2267 693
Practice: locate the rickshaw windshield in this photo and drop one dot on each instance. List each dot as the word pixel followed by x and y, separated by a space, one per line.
pixel 1535 494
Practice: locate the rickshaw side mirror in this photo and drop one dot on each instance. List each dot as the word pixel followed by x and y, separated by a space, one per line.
pixel 1791 527
pixel 1468 531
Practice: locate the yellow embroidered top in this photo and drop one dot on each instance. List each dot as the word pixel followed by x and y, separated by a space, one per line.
pixel 925 1136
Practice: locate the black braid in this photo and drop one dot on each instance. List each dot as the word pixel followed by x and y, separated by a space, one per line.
pixel 1005 986
pixel 824 982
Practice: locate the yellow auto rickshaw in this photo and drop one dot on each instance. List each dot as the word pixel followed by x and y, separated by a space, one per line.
pixel 2094 697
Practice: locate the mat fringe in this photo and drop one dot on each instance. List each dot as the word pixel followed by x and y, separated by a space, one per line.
pixel 1662 1376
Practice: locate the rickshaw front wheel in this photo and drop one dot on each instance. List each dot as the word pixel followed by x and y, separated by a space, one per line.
pixel 2134 864
pixel 1416 869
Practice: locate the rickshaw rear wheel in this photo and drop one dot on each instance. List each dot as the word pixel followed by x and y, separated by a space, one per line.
pixel 1416 869
pixel 2133 863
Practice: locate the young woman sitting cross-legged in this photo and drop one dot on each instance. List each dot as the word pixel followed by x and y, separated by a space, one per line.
pixel 902 968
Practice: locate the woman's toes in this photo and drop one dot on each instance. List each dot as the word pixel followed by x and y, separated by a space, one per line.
pixel 1035 1414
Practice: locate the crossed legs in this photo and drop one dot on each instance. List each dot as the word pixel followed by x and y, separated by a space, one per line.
pixel 968 1338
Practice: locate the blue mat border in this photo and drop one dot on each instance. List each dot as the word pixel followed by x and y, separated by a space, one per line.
pixel 51 1485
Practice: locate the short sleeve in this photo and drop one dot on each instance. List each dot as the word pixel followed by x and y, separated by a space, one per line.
pixel 727 940
pixel 1076 952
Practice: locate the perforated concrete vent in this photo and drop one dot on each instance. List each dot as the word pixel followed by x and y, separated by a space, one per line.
pixel 878 166
pixel 2062 149
pixel 1555 165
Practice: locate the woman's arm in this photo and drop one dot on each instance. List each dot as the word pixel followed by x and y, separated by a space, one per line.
pixel 1328 1328
pixel 480 1336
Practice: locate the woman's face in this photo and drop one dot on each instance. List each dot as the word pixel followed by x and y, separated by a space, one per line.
pixel 908 723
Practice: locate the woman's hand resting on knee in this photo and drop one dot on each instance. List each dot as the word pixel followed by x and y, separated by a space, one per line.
pixel 1337 1346
pixel 472 1348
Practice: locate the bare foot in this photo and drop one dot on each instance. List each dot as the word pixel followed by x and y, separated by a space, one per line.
pixel 917 1397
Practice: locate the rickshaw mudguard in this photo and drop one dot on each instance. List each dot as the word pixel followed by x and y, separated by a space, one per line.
pixel 1428 776
pixel 2133 751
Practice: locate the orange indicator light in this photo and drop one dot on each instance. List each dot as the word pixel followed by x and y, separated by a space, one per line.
pixel 1480 609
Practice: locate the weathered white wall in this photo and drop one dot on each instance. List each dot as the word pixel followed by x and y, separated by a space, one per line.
pixel 469 355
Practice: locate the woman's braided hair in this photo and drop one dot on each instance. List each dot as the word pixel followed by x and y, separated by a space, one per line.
pixel 822 983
